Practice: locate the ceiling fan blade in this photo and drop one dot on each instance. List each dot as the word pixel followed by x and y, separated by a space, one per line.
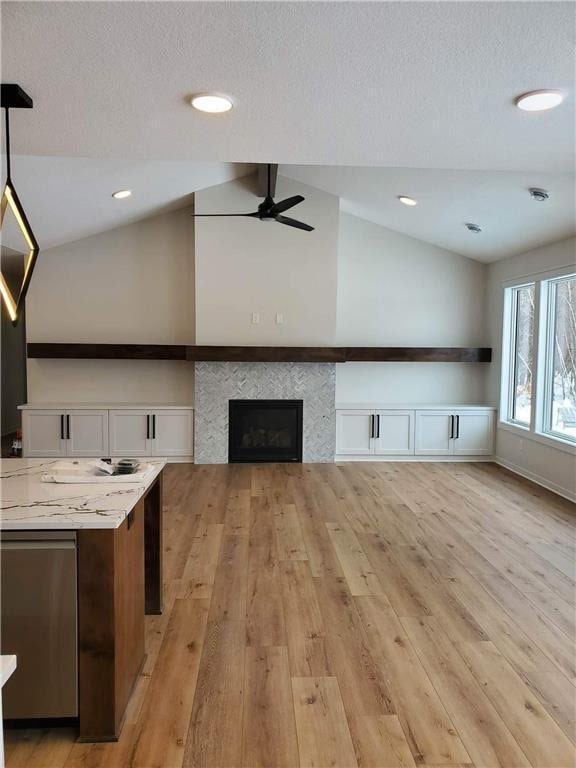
pixel 294 223
pixel 253 215
pixel 284 205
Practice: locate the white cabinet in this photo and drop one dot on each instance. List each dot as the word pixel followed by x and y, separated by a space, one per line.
pixel 366 432
pixel 394 433
pixel 44 433
pixel 57 431
pixel 130 432
pixel 173 433
pixel 473 433
pixel 454 432
pixel 87 433
pixel 354 432
pixel 433 433
pixel 148 432
pixel 412 432
pixel 48 433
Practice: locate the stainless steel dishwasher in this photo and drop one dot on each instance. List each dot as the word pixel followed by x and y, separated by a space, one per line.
pixel 39 619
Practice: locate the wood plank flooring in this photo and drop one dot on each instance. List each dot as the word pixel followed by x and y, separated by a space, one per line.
pixel 379 615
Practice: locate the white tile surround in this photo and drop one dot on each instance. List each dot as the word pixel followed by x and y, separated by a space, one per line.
pixel 217 383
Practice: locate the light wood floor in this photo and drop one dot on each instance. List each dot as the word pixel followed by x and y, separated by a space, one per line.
pixel 353 614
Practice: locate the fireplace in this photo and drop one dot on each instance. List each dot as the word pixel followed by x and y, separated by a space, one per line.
pixel 265 430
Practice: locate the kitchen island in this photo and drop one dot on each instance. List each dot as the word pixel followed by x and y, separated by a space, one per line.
pixel 92 604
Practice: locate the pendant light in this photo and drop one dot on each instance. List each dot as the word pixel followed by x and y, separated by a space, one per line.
pixel 15 274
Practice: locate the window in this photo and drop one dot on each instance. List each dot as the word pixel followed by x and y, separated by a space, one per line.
pixel 560 385
pixel 539 357
pixel 523 363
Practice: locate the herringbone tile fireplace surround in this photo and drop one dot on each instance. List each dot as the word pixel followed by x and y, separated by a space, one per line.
pixel 217 383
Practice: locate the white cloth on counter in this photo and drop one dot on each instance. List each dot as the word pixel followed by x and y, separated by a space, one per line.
pixel 93 472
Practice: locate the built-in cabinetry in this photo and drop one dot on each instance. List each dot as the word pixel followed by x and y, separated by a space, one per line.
pixel 56 431
pixel 461 431
pixel 366 432
pixel 151 432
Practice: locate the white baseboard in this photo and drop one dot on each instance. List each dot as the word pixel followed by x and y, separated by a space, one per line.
pixel 373 457
pixel 570 495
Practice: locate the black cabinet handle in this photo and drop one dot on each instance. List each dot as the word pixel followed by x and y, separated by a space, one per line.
pixel 153 426
pixel 371 425
pixel 378 425
pixel 62 427
pixel 148 427
pixel 67 426
pixel 457 427
pixel 451 427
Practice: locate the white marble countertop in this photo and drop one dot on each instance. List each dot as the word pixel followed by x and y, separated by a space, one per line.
pixel 26 503
pixel 7 668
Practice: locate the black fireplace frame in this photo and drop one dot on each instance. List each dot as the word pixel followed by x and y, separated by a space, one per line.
pixel 234 458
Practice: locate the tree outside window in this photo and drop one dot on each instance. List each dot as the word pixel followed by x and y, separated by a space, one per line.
pixel 523 371
pixel 562 374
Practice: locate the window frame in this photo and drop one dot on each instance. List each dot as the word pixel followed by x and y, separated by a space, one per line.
pixel 548 314
pixel 537 430
pixel 512 293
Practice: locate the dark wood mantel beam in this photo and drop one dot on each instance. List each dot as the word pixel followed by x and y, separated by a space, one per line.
pixel 260 354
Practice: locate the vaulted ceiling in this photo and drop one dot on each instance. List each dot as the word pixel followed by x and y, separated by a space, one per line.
pixel 420 94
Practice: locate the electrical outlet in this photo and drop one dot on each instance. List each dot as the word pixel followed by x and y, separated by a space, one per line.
pixel 255 318
pixel 279 318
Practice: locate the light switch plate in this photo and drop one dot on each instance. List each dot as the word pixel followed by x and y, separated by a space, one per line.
pixel 279 318
pixel 255 318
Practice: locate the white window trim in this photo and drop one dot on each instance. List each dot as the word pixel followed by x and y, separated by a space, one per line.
pixel 546 360
pixel 536 430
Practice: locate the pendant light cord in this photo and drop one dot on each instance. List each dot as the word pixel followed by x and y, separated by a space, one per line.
pixel 7 144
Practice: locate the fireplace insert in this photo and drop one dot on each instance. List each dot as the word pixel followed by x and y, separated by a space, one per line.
pixel 265 430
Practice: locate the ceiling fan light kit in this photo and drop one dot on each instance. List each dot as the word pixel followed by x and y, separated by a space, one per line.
pixel 13 97
pixel 268 210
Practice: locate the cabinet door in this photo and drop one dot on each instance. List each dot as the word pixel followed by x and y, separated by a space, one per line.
pixel 473 433
pixel 43 434
pixel 88 434
pixel 433 433
pixel 173 432
pixel 130 432
pixel 395 433
pixel 354 432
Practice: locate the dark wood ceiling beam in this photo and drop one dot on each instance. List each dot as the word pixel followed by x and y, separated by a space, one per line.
pixel 260 354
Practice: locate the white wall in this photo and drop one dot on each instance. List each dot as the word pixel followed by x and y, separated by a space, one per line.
pixel 394 290
pixel 133 284
pixel 245 265
pixel 544 463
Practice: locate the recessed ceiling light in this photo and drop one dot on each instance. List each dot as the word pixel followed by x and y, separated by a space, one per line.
pixel 215 103
pixel 121 194
pixel 538 101
pixel 407 200
pixel 473 227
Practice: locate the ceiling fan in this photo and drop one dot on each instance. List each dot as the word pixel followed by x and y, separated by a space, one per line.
pixel 268 210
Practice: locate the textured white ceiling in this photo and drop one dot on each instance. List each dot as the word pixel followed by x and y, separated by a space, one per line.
pixel 408 89
pixel 498 201
pixel 70 198
pixel 415 84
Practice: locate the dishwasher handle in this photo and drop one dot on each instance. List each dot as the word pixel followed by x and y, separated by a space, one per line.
pixel 47 544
